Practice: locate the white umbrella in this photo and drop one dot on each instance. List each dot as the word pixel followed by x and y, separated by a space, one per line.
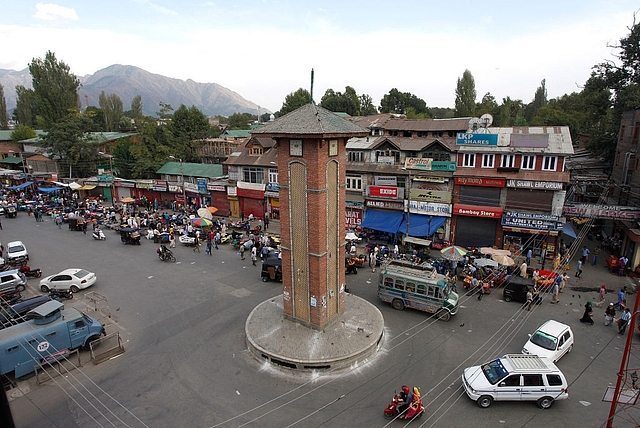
pixel 494 251
pixel 486 262
pixel 205 213
pixel 504 260
pixel 352 237
pixel 75 185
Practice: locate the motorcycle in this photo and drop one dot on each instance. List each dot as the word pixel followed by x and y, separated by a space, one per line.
pixel 31 273
pixel 414 411
pixel 10 297
pixel 99 235
pixel 166 255
pixel 60 294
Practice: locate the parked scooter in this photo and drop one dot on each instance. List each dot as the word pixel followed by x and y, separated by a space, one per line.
pixel 10 297
pixel 414 411
pixel 31 273
pixel 60 294
pixel 98 235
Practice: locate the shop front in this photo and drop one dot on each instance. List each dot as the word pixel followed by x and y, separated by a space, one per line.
pixel 219 199
pixel 523 230
pixel 272 197
pixel 251 198
pixel 476 226
pixel 354 215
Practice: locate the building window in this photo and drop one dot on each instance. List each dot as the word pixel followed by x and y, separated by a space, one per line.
pixel 273 175
pixel 255 150
pixel 355 156
pixel 528 162
pixel 469 160
pixel 487 160
pixel 253 175
pixel 437 155
pixel 549 163
pixel 354 183
pixel 387 154
pixel 508 161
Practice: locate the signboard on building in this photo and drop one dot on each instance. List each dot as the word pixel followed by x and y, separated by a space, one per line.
pixel 430 208
pixel 250 193
pixel 429 179
pixel 389 205
pixel 485 182
pixel 353 219
pixel 430 195
pixel 144 184
pixel 468 139
pixel 443 166
pixel 386 180
pixel 529 184
pixel 159 185
pixel 535 216
pixel 616 212
pixel 418 163
pixel 383 192
pixel 387 160
pixel 202 185
pixel 529 221
pixel 215 188
pixel 477 211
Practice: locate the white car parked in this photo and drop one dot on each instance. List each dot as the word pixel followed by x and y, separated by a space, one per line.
pixel 69 279
pixel 552 340
pixel 16 250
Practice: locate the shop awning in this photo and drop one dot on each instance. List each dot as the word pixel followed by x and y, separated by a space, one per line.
pixel 567 229
pixel 86 187
pixel 421 225
pixel 384 221
pixel 417 241
pixel 20 186
pixel 49 189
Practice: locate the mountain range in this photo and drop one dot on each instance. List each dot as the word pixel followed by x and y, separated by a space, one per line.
pixel 127 81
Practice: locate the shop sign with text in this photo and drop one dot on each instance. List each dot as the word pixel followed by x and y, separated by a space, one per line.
pixel 430 195
pixel 353 219
pixel 468 139
pixel 418 163
pixel 477 211
pixel 529 223
pixel 617 212
pixel 535 216
pixel 485 182
pixel 384 204
pixel 215 188
pixel 430 208
pixel 383 192
pixel 529 184
pixel 250 193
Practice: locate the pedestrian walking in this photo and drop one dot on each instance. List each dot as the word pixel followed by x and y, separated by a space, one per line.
pixel 84 228
pixel 596 252
pixel 196 243
pixel 622 298
pixel 554 291
pixel 601 295
pixel 609 314
pixel 209 247
pixel 523 269
pixel 480 292
pixel 266 221
pixel 529 255
pixel 585 254
pixel 216 240
pixel 579 269
pixel 254 255
pixel 564 280
pixel 588 313
pixel 625 317
pixel 529 301
pixel 172 241
pixel 242 249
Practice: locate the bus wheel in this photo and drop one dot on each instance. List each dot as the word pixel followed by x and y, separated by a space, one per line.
pixel 444 315
pixel 397 304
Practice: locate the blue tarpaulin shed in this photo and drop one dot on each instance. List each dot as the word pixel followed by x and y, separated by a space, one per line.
pixel 384 221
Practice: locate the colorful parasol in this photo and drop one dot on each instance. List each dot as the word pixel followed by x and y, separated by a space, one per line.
pixel 504 260
pixel 205 213
pixel 212 210
pixel 453 252
pixel 127 200
pixel 201 222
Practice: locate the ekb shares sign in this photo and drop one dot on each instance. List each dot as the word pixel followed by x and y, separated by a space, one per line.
pixel 468 139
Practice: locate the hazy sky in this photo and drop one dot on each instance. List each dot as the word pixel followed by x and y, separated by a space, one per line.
pixel 265 49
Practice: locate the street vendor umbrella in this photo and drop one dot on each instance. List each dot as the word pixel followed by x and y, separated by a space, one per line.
pixel 494 251
pixel 201 222
pixel 486 262
pixel 212 210
pixel 504 260
pixel 127 200
pixel 205 213
pixel 454 249
pixel 352 237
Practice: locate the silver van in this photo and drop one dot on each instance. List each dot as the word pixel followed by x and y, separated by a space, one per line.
pixel 516 377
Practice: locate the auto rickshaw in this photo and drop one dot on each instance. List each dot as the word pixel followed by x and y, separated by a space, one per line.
pixel 11 211
pixel 77 223
pixel 129 236
pixel 271 270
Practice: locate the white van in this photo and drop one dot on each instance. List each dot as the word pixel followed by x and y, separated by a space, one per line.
pixel 552 340
pixel 516 377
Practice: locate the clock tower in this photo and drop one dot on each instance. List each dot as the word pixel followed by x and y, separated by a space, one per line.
pixel 311 149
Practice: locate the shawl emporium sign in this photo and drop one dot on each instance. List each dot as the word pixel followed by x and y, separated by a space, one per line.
pixel 618 212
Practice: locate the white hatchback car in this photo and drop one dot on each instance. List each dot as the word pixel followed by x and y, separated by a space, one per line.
pixel 16 250
pixel 69 279
pixel 552 340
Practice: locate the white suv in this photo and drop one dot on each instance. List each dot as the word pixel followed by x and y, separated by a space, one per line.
pixel 16 250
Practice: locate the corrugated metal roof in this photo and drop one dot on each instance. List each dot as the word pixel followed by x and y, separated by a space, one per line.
pixel 559 141
pixel 191 169
pixel 237 133
pixel 311 119
pixel 11 160
pixel 5 134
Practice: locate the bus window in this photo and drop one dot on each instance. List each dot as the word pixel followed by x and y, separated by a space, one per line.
pixel 421 289
pixel 388 282
pixel 438 293
pixel 399 284
pixel 410 287
pixel 430 291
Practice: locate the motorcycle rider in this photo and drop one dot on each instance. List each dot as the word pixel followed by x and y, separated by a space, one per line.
pixel 163 252
pixel 406 397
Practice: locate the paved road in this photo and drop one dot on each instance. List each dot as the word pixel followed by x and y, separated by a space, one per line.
pixel 186 361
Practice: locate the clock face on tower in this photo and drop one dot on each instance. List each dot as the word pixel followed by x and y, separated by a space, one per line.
pixel 295 147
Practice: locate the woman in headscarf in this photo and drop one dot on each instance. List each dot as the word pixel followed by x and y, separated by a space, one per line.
pixel 588 313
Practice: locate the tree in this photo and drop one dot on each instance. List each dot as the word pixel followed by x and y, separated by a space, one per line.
pixel 510 113
pixel 150 149
pixel 111 106
pixel 165 112
pixel 539 101
pixel 96 115
pixel 4 118
pixel 366 105
pixel 136 107
pixel 487 105
pixel 398 102
pixel 465 95
pixel 23 132
pixel 338 102
pixel 55 88
pixel 25 111
pixel 238 121
pixel 187 126
pixel 294 101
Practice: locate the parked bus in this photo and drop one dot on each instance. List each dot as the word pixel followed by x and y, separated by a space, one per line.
pixel 417 287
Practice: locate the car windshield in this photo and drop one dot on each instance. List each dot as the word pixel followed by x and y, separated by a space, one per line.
pixel 16 249
pixel 494 371
pixel 544 340
pixel 82 273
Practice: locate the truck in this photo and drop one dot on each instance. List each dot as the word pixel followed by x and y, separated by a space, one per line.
pixel 49 334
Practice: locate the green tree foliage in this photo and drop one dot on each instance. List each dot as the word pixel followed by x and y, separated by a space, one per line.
pixel 398 102
pixel 510 113
pixel 55 88
pixel 367 108
pixel 136 107
pixel 96 115
pixel 294 101
pixel 465 95
pixel 567 110
pixel 539 101
pixel 442 112
pixel 124 157
pixel 239 121
pixel 111 106
pixel 347 102
pixel 166 111
pixel 150 149
pixel 488 105
pixel 69 139
pixel 23 132
pixel 4 117
pixel 25 111
pixel 187 126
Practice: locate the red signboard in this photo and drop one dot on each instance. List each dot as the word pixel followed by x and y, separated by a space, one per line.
pixel 353 219
pixel 250 193
pixel 484 182
pixel 383 192
pixel 477 211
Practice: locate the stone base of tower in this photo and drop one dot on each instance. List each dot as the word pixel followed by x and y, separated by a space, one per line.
pixel 352 338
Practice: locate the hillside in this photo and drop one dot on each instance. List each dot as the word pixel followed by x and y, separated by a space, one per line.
pixel 127 81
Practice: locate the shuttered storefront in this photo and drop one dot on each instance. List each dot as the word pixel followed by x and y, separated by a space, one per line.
pixel 529 200
pixel 476 231
pixel 484 196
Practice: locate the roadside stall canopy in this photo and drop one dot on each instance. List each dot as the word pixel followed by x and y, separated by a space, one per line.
pixel 567 229
pixel 421 225
pixel 13 160
pixel 86 187
pixel 49 189
pixel 384 221
pixel 20 186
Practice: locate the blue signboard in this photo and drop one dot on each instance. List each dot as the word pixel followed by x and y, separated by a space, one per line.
pixel 202 185
pixel 468 139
